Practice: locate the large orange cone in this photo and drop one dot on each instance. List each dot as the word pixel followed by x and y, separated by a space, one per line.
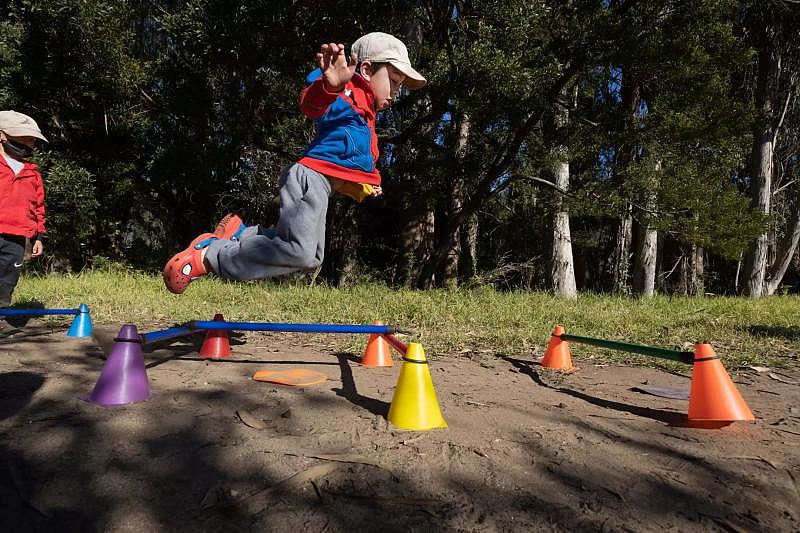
pixel 414 404
pixel 713 396
pixel 216 345
pixel 557 355
pixel 378 352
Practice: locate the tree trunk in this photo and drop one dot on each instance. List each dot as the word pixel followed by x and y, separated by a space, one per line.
pixel 415 241
pixel 644 280
pixel 620 262
pixel 784 254
pixel 453 257
pixel 697 283
pixel 469 249
pixel 563 269
pixel 761 169
pixel 631 95
pixel 644 277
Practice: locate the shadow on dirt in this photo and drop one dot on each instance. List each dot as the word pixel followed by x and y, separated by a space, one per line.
pixel 668 417
pixel 348 390
pixel 189 460
pixel 167 464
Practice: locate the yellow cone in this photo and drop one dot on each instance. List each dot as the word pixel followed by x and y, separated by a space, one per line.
pixel 414 404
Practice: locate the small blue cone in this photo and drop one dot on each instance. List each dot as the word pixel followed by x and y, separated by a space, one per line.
pixel 82 324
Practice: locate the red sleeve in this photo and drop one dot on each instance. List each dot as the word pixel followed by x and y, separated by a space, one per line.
pixel 40 206
pixel 315 99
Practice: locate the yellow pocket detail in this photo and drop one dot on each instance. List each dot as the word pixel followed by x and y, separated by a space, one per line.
pixel 356 191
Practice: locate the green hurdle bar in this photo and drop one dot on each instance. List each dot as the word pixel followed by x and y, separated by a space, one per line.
pixel 663 353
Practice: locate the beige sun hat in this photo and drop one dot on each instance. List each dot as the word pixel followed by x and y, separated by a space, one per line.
pixel 381 47
pixel 16 124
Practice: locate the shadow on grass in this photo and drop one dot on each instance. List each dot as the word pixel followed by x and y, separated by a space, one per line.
pixel 790 333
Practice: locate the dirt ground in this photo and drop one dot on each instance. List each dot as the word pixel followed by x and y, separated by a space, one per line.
pixel 526 449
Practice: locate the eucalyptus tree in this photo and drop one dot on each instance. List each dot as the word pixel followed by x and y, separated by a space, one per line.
pixel 666 103
pixel 507 64
pixel 772 28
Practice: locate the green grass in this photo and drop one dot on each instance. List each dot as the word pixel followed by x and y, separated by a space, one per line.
pixel 478 323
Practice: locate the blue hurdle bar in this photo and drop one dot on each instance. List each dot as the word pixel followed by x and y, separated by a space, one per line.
pixel 196 325
pixel 81 325
pixel 37 312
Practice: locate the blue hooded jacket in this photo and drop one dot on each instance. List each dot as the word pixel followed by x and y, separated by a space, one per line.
pixel 346 145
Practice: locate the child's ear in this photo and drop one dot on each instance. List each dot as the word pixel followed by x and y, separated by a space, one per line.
pixel 366 69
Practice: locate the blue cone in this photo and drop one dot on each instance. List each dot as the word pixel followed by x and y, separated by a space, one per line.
pixel 82 324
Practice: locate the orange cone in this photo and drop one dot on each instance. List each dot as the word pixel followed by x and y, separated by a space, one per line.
pixel 557 355
pixel 713 396
pixel 378 352
pixel 216 345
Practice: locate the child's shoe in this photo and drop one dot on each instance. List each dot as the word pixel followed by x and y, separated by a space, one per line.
pixel 230 227
pixel 187 265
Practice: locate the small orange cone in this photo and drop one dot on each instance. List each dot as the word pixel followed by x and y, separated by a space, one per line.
pixel 378 351
pixel 557 355
pixel 216 345
pixel 713 396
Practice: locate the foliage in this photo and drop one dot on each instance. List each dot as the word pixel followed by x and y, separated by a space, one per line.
pixel 162 116
pixel 71 211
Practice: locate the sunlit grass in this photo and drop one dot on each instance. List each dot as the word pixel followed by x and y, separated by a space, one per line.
pixel 481 321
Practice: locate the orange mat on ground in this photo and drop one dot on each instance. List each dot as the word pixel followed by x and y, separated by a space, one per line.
pixel 297 377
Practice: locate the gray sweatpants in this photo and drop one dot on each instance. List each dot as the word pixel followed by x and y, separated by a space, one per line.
pixel 296 242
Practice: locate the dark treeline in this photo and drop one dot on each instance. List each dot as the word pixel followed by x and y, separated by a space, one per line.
pixel 615 145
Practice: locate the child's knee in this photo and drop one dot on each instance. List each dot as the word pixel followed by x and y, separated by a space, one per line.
pixel 309 261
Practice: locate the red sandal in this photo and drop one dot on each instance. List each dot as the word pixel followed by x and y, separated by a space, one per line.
pixel 187 265
pixel 230 227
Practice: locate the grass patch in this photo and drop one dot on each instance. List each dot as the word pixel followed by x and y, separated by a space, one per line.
pixel 480 322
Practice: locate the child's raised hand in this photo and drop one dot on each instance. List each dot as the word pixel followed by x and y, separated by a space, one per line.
pixel 336 69
pixel 377 190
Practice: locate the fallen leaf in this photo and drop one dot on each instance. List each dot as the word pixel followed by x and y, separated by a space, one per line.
pixel 778 378
pixel 249 420
pixel 759 369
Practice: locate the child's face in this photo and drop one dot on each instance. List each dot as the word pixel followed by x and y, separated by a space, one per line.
pixel 26 142
pixel 386 83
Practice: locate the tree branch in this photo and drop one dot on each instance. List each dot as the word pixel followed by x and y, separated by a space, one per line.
pixel 783 113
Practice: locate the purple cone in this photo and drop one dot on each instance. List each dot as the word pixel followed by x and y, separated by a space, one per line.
pixel 124 377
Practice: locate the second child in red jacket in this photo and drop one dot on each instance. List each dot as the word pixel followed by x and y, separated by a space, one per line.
pixel 21 198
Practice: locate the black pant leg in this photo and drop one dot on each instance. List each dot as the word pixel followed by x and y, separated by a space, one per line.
pixel 12 250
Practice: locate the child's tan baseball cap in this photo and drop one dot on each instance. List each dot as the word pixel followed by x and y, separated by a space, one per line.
pixel 381 47
pixel 16 124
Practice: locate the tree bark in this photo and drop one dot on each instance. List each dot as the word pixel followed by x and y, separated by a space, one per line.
pixel 450 269
pixel 761 169
pixel 563 268
pixel 697 279
pixel 415 239
pixel 644 278
pixel 620 262
pixel 469 249
pixel 784 253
